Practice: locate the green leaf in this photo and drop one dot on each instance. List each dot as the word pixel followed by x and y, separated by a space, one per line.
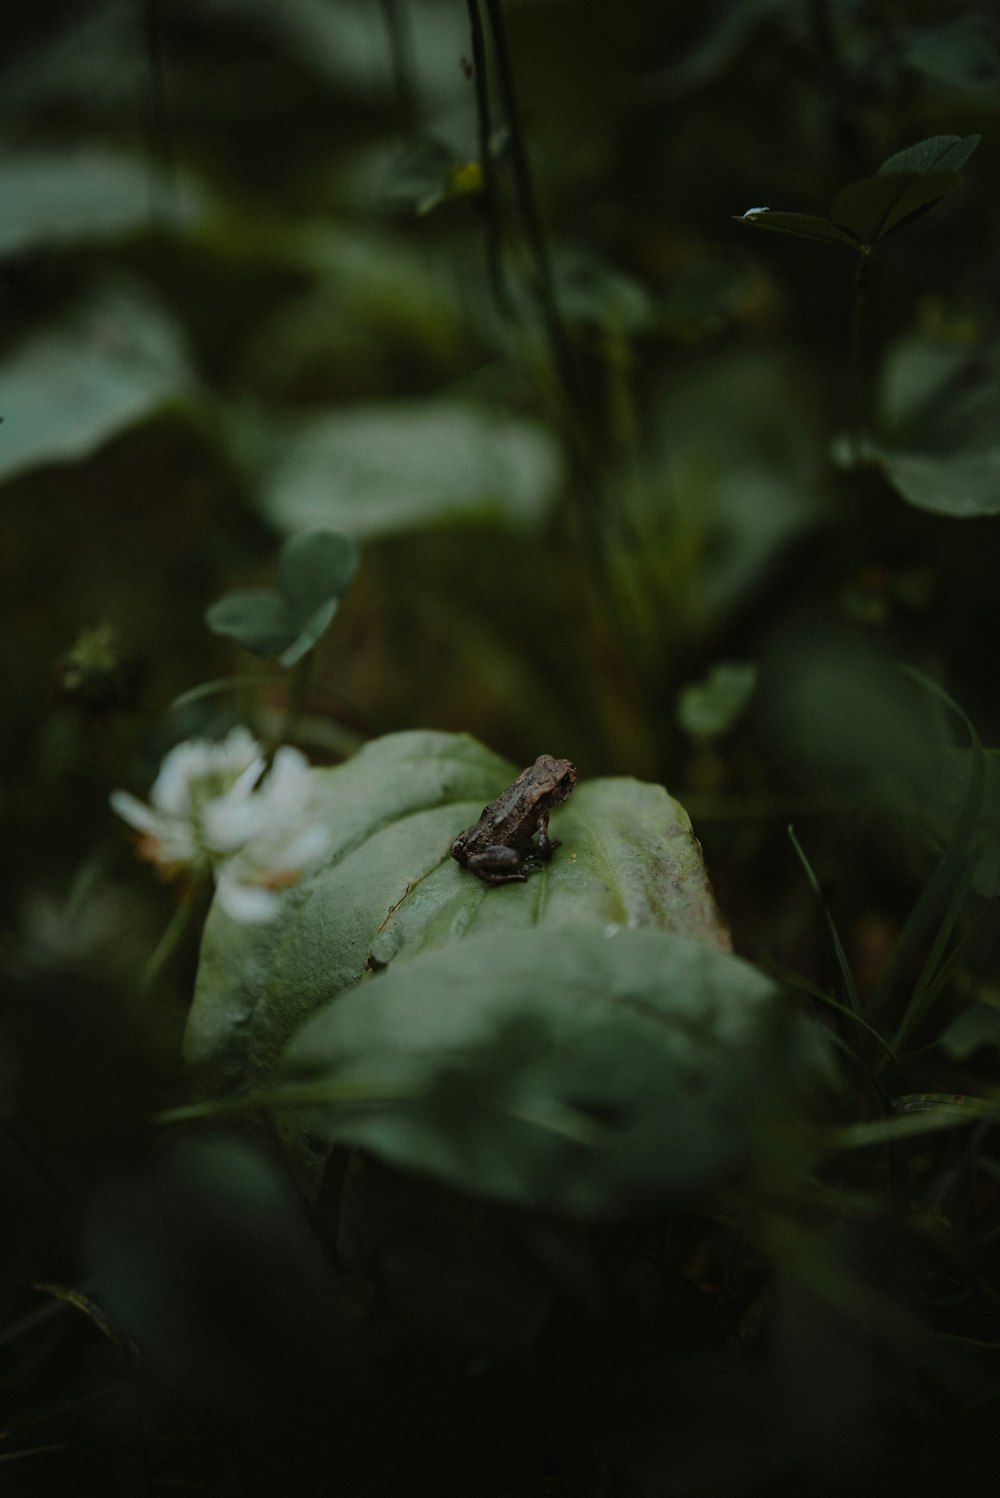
pixel 73 197
pixel 314 570
pixel 308 631
pixel 573 1068
pixel 67 390
pixel 316 566
pixel 905 186
pixel 390 888
pixel 709 708
pixel 977 1026
pixel 384 469
pixel 804 225
pixel 256 617
pixel 955 770
pixel 418 176
pixel 963 485
pixel 875 206
pixel 939 153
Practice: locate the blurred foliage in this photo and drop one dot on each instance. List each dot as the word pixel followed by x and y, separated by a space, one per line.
pixel 631 484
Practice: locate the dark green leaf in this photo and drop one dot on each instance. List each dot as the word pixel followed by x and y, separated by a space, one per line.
pixel 953 781
pixel 940 153
pixel 314 567
pixel 804 225
pixel 256 617
pixel 872 208
pixel 962 485
pixel 979 1025
pixel 307 633
pixel 573 1068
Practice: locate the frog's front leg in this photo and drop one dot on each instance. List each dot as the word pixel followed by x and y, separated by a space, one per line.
pixel 496 865
pixel 546 845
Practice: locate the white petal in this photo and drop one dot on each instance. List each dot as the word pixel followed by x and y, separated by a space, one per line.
pixel 245 902
pixel 136 813
pixel 230 821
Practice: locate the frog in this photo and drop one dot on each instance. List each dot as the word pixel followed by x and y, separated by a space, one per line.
pixel 498 848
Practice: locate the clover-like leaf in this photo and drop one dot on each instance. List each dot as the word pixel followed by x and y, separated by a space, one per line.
pixel 314 571
pixel 905 186
pixel 939 153
pixel 875 206
pixel 257 617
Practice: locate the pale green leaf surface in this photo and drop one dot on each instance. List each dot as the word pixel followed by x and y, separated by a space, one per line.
pixel 68 389
pixel 963 485
pixel 390 889
pixel 375 470
pixel 573 1068
pixel 73 197
pixel 711 707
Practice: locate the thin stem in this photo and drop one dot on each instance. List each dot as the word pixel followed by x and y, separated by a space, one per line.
pixel 289 1095
pixel 297 695
pixel 170 940
pixel 528 202
pixel 162 184
pixel 400 52
pixel 857 322
pixel 490 201
pixel 846 976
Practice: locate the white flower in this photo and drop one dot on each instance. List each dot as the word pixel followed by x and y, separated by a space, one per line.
pixel 194 777
pixel 210 811
pixel 275 836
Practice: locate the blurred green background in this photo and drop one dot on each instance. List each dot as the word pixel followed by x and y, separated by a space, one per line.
pixel 590 435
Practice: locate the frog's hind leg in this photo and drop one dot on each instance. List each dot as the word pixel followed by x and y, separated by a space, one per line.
pixel 546 845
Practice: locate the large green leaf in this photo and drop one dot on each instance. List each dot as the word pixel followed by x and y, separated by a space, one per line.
pixel 68 389
pixel 572 1068
pixel 374 470
pixel 73 197
pixel 390 888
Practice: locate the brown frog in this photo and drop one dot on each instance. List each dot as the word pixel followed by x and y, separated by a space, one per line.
pixel 495 848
